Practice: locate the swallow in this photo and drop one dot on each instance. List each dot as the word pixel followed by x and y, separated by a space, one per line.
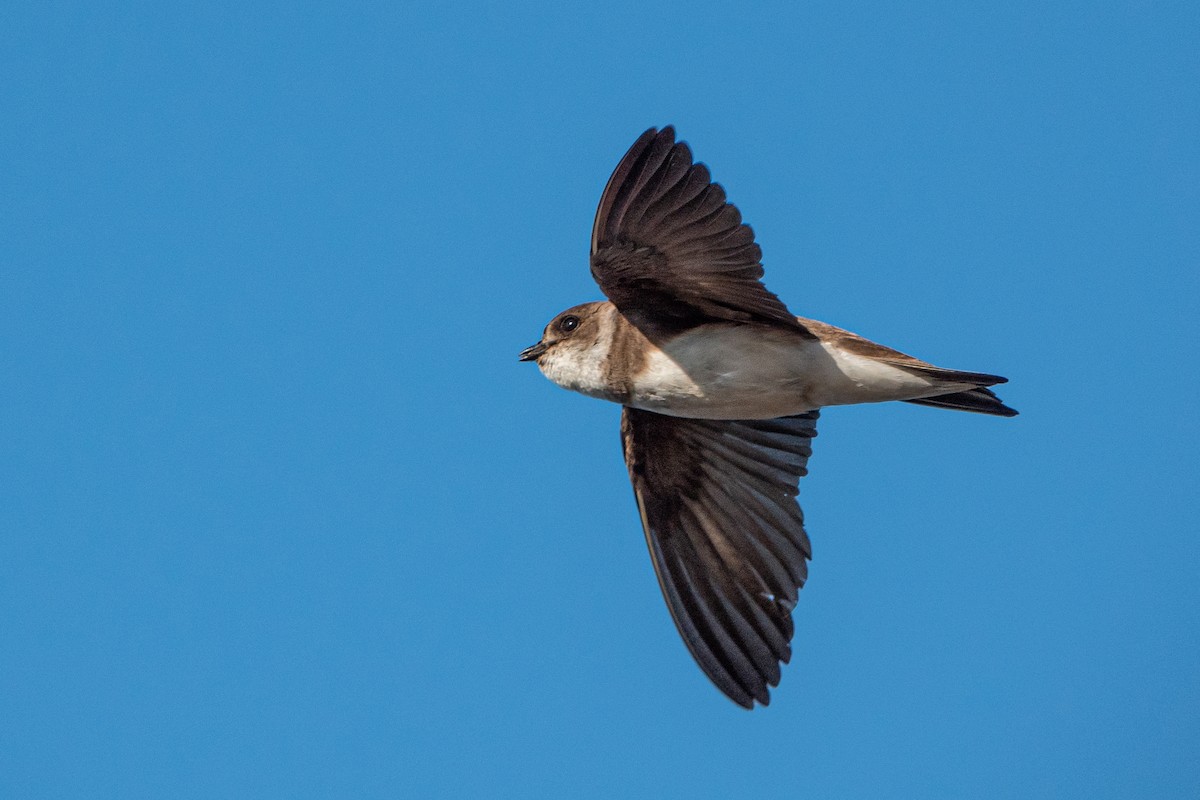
pixel 721 386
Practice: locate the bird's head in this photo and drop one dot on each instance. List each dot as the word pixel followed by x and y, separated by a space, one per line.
pixel 576 329
pixel 574 346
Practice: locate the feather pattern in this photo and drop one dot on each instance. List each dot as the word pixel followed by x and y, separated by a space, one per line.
pixel 718 505
pixel 668 248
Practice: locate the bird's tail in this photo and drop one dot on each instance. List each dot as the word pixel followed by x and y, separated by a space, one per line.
pixel 979 400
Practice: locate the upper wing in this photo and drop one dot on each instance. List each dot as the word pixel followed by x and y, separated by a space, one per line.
pixel 667 247
pixel 718 505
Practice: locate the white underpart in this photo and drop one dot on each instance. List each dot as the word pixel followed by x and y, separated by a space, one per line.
pixel 740 372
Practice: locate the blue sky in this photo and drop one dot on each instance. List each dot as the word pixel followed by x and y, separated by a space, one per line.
pixel 282 516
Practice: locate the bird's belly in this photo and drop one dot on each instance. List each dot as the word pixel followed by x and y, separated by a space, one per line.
pixel 746 373
pixel 728 373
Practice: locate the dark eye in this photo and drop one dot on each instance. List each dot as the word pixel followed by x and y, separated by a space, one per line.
pixel 568 323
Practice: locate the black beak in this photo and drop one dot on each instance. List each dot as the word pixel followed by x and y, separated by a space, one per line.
pixel 532 353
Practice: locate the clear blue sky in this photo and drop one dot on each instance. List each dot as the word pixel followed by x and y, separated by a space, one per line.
pixel 282 516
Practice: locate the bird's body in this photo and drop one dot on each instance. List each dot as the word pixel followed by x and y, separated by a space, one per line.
pixel 721 387
pixel 732 370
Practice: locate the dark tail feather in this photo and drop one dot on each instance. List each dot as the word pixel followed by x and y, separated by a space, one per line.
pixel 981 401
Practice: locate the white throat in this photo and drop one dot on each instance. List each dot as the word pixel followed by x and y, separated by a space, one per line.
pixel 580 365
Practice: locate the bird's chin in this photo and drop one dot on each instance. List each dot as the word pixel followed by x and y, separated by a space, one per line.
pixel 533 353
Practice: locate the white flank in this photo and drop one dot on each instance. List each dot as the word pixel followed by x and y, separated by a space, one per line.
pixel 743 372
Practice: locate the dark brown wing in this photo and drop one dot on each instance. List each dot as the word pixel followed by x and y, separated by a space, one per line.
pixel 667 248
pixel 718 505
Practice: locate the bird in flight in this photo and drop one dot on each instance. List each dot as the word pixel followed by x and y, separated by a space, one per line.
pixel 720 386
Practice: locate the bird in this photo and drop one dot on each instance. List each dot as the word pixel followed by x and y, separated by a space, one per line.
pixel 720 387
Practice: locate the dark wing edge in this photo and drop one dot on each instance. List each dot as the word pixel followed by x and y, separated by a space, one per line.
pixel 717 500
pixel 666 242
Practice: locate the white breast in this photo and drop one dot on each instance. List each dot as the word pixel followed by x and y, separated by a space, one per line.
pixel 728 372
